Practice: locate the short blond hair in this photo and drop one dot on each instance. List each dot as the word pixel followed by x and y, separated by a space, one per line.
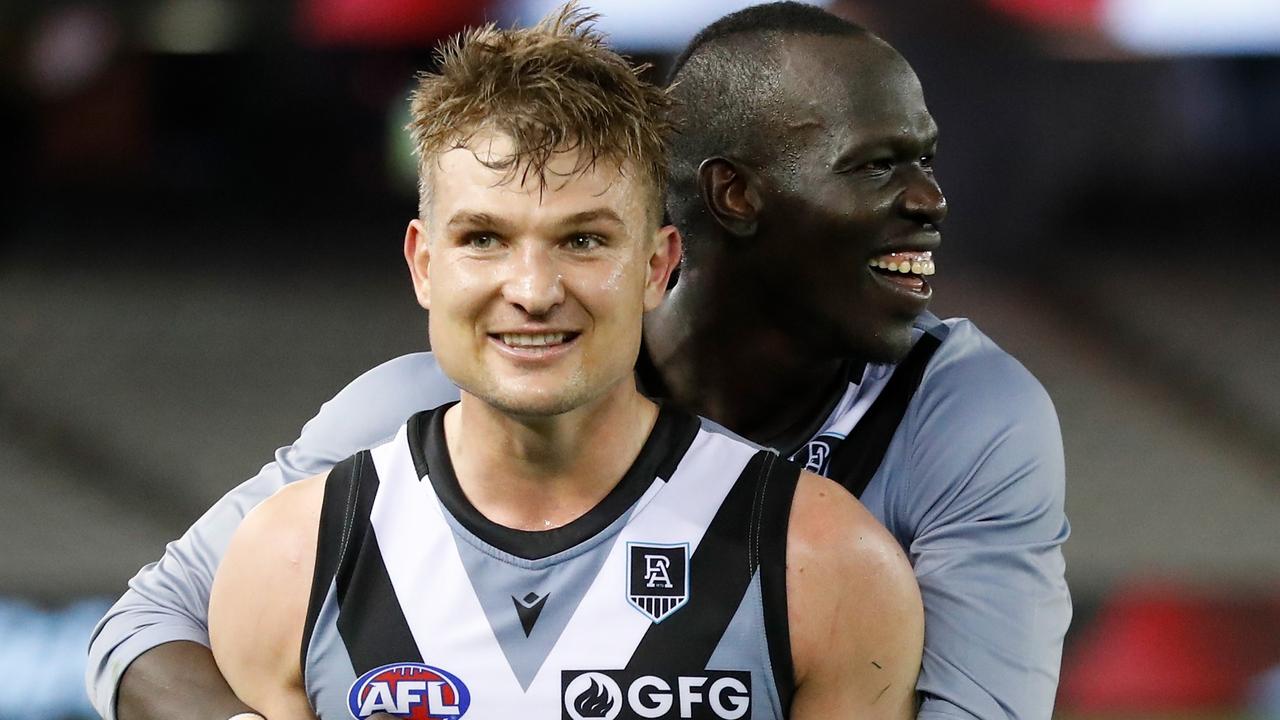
pixel 551 88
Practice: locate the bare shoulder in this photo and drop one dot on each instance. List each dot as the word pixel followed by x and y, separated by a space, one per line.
pixel 274 547
pixel 854 608
pixel 283 515
pixel 830 529
pixel 258 605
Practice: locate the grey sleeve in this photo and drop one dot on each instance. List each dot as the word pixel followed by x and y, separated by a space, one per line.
pixel 981 514
pixel 168 600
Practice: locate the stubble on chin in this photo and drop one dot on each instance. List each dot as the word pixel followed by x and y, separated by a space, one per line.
pixel 519 400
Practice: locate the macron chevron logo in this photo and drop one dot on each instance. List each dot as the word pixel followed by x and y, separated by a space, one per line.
pixel 529 608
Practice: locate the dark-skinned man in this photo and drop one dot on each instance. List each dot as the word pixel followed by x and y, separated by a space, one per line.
pixel 802 183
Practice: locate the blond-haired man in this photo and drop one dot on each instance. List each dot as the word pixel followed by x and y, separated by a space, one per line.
pixel 555 544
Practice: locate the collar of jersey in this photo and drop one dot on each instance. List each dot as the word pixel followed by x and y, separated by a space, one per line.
pixel 670 438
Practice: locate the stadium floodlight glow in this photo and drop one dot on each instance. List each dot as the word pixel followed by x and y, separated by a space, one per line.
pixel 649 26
pixel 1221 27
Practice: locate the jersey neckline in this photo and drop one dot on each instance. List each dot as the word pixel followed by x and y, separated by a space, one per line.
pixel 672 434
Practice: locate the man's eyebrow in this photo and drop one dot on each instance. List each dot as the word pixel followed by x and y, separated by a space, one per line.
pixel 471 218
pixel 603 214
pixel 477 219
pixel 860 146
pixel 849 151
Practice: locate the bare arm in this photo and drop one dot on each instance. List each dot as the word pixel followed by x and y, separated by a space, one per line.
pixel 259 601
pixel 177 679
pixel 857 623
pixel 149 656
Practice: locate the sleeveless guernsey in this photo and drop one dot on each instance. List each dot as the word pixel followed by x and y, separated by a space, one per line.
pixel 666 600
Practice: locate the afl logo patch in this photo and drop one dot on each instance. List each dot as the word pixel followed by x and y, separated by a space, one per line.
pixel 409 690
pixel 657 578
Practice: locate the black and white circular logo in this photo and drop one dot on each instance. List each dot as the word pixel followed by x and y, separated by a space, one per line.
pixel 593 696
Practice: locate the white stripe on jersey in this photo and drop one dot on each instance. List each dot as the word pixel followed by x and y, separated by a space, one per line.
pixel 441 607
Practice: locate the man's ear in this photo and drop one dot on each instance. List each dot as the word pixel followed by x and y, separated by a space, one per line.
pixel 731 192
pixel 667 247
pixel 417 255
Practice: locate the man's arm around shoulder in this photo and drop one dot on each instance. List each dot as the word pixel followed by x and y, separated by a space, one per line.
pixel 980 506
pixel 259 602
pixel 149 657
pixel 856 619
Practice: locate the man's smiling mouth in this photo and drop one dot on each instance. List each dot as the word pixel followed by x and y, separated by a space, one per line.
pixel 534 340
pixel 919 263
pixel 905 271
pixel 535 346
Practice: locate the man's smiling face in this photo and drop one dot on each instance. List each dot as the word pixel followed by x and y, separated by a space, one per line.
pixel 536 293
pixel 849 190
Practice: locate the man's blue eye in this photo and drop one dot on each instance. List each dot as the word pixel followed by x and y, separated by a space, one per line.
pixel 583 242
pixel 481 241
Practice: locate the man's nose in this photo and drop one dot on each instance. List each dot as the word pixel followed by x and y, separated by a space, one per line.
pixel 533 281
pixel 922 198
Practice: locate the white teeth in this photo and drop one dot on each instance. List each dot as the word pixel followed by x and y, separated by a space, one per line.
pixel 535 340
pixel 918 264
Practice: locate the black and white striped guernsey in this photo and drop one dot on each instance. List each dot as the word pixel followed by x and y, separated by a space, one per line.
pixel 666 600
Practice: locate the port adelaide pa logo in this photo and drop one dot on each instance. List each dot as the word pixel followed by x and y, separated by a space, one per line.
pixel 630 695
pixel 408 690
pixel 657 578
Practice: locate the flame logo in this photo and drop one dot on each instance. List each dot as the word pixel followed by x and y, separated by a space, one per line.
pixel 596 702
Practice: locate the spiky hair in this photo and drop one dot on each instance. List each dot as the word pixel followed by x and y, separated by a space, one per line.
pixel 551 88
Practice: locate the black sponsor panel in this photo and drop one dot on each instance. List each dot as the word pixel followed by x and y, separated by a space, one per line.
pixel 632 695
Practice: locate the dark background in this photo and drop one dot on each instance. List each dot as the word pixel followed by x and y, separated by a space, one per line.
pixel 200 231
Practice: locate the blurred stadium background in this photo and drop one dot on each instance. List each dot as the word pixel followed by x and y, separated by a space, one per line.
pixel 199 243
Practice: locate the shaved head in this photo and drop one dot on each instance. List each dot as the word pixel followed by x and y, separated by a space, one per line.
pixel 732 95
pixel 803 157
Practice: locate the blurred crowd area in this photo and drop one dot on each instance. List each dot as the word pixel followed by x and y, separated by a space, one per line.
pixel 200 242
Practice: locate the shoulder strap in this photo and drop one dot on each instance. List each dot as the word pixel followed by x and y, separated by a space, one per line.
pixel 748 533
pixel 336 519
pixel 370 620
pixel 859 455
pixel 770 524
